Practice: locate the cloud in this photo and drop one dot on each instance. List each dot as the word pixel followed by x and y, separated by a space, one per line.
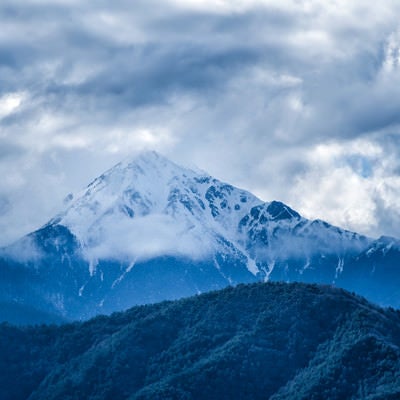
pixel 250 91
pixel 22 251
pixel 9 103
pixel 355 184
pixel 149 236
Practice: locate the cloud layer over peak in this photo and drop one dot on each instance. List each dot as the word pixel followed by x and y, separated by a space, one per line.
pixel 295 100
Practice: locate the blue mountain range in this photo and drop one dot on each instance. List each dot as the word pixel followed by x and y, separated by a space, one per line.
pixel 149 230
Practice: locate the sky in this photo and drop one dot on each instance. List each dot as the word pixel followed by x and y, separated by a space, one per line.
pixel 296 100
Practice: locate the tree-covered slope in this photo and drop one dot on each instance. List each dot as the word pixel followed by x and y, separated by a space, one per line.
pixel 274 340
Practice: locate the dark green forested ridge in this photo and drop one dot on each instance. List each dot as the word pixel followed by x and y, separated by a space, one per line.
pixel 258 341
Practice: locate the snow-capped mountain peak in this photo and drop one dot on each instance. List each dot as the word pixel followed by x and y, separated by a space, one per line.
pixel 148 230
pixel 157 207
pixel 148 206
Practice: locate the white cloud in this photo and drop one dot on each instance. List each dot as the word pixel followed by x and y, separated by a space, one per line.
pixel 149 236
pixel 391 61
pixel 10 102
pixel 348 185
pixel 295 100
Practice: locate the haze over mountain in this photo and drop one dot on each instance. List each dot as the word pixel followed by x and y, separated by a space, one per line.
pixel 149 230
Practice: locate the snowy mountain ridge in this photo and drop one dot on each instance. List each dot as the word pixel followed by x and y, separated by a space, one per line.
pixel 149 206
pixel 149 230
pixel 154 207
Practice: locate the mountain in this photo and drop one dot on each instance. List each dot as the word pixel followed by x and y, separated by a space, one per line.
pixel 266 340
pixel 148 230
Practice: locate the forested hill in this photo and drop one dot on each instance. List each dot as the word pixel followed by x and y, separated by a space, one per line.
pixel 258 341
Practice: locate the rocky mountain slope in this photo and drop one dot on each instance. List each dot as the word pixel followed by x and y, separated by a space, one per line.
pixel 149 230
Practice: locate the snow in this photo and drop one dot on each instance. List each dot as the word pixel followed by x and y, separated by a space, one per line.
pixel 120 278
pixel 252 266
pixel 339 268
pixel 149 206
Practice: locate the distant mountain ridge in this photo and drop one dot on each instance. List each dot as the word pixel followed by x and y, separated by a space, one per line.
pixel 148 230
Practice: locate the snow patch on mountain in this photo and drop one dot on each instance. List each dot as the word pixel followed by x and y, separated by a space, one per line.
pixel 383 245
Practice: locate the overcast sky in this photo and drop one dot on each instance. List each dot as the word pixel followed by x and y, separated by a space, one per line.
pixel 293 100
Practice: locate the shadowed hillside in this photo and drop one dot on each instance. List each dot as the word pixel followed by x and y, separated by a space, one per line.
pixel 274 340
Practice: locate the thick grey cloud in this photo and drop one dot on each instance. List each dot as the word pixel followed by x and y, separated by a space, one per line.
pixel 297 101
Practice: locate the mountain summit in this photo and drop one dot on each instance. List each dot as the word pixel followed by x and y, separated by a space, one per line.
pixel 149 206
pixel 148 230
